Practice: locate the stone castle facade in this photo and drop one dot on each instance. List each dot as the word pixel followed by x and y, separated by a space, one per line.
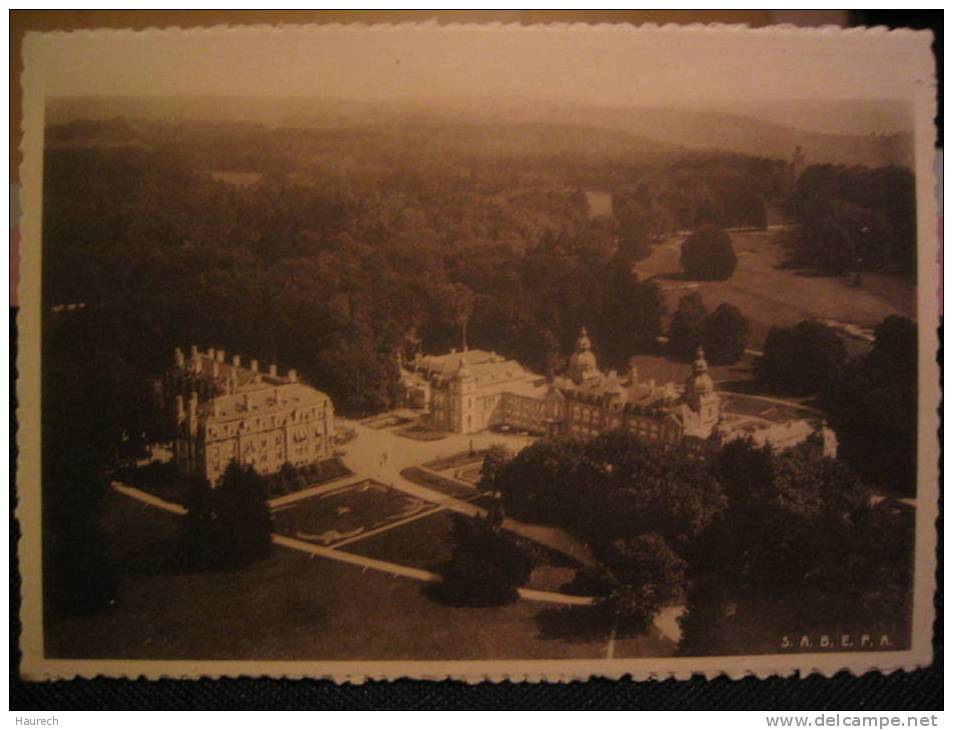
pixel 224 411
pixel 470 391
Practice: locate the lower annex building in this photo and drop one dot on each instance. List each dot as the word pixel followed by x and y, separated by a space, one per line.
pixel 470 391
pixel 223 411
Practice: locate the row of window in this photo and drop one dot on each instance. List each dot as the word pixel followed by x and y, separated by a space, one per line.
pixel 234 428
pixel 218 459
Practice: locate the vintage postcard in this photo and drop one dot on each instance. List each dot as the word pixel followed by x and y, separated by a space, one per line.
pixel 486 352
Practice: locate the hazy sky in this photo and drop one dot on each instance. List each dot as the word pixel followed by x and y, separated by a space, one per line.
pixel 606 67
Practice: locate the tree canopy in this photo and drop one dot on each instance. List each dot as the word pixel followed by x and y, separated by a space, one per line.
pixel 708 254
pixel 801 360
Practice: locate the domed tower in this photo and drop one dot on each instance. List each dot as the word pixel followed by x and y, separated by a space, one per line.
pixel 582 363
pixel 700 393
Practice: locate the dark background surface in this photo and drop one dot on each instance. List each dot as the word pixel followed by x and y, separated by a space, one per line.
pixel 918 690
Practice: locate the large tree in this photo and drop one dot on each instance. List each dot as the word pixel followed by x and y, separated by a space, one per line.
pixel 487 567
pixel 725 335
pixel 687 329
pixel 228 526
pixel 801 360
pixel 873 408
pixel 644 575
pixel 708 254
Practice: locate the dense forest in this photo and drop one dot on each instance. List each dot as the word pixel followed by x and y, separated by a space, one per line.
pixel 338 248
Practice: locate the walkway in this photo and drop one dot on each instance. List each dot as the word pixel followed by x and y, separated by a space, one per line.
pixel 150 499
pixel 415 573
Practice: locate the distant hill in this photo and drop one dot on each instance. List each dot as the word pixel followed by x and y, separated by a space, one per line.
pixel 688 128
pixel 829 116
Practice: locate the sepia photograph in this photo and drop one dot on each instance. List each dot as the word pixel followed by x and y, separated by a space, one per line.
pixel 543 352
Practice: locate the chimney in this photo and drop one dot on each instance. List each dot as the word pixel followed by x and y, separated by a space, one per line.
pixel 254 366
pixel 195 351
pixel 214 368
pixel 198 365
pixel 453 350
pixel 220 355
pixel 193 412
pixel 273 370
pixel 236 361
pixel 179 408
pixel 179 358
pixel 211 353
pixel 293 375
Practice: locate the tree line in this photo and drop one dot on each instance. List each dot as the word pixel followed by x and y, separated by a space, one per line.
pixel 855 219
pixel 870 398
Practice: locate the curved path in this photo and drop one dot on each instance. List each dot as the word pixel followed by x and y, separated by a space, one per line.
pixel 382 455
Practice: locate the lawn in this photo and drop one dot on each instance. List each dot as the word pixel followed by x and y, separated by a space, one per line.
pixel 423 543
pixel 769 295
pixel 291 606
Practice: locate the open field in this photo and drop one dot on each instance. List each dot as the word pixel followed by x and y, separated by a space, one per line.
pixel 293 607
pixel 769 295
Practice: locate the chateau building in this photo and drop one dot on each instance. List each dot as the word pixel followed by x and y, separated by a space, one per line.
pixel 473 390
pixel 223 411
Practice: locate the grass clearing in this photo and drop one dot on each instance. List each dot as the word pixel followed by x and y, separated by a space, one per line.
pixel 291 606
pixel 769 295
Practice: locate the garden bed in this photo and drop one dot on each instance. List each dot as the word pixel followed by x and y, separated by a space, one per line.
pixel 422 433
pixel 462 458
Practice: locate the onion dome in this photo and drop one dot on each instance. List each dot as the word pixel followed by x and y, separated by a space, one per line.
pixel 582 363
pixel 701 382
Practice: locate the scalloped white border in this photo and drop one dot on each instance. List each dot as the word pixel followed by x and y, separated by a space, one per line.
pixel 911 46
